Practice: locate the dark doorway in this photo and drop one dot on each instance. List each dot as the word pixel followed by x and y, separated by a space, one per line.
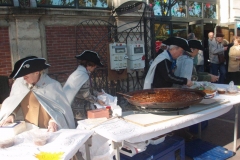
pixel 208 27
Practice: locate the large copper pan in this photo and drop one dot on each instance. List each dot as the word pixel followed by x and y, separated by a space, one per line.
pixel 171 98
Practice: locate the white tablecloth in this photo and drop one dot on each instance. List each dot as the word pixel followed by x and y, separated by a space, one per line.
pixel 119 129
pixel 65 140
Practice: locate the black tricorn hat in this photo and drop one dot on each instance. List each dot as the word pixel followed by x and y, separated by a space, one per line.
pixel 90 56
pixel 195 44
pixel 219 32
pixel 28 65
pixel 180 42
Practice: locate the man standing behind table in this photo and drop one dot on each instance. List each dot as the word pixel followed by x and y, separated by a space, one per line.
pixel 161 71
pixel 216 49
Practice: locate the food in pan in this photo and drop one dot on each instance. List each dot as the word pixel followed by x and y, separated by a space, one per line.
pixel 165 96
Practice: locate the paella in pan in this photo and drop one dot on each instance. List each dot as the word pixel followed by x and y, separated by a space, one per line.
pixel 174 98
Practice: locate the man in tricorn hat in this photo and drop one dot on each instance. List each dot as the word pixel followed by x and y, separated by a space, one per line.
pixel 216 50
pixel 79 84
pixel 41 99
pixel 161 71
pixel 185 67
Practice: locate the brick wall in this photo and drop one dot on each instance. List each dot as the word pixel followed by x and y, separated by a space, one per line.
pixel 5 60
pixel 61 47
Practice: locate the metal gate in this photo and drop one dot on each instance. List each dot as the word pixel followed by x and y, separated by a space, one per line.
pixel 96 35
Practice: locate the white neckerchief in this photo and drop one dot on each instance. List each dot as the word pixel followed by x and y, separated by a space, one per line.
pixel 151 72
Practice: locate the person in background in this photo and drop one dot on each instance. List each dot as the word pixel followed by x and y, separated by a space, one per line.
pixel 185 62
pixel 234 62
pixel 161 49
pixel 225 43
pixel 161 72
pixel 210 36
pixel 206 51
pixel 78 87
pixel 185 67
pixel 195 59
pixel 216 49
pixel 200 61
pixel 41 99
pixel 191 36
pixel 227 56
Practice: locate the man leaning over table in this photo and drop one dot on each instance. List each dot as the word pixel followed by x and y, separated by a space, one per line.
pixel 41 99
pixel 185 67
pixel 161 71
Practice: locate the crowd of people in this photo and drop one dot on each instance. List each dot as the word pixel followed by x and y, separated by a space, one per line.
pixel 224 58
pixel 46 104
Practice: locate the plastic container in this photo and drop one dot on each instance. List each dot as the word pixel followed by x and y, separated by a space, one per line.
pixel 116 110
pixel 221 90
pixel 6 142
pixel 39 137
pixel 171 149
pixel 157 140
pixel 201 150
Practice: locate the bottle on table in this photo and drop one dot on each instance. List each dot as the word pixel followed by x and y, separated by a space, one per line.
pixel 109 110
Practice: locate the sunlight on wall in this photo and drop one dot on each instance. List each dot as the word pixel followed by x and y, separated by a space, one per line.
pixel 224 11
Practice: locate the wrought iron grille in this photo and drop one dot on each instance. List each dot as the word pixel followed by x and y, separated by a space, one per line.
pixel 96 35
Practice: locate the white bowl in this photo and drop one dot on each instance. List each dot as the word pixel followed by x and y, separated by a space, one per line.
pixel 210 95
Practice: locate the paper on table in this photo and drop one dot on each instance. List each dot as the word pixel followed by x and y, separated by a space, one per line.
pixel 89 123
pixel 147 119
pixel 67 141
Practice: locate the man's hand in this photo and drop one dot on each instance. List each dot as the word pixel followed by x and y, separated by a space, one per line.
pixel 189 83
pixel 101 102
pixel 100 93
pixel 214 78
pixel 225 48
pixel 10 119
pixel 52 126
